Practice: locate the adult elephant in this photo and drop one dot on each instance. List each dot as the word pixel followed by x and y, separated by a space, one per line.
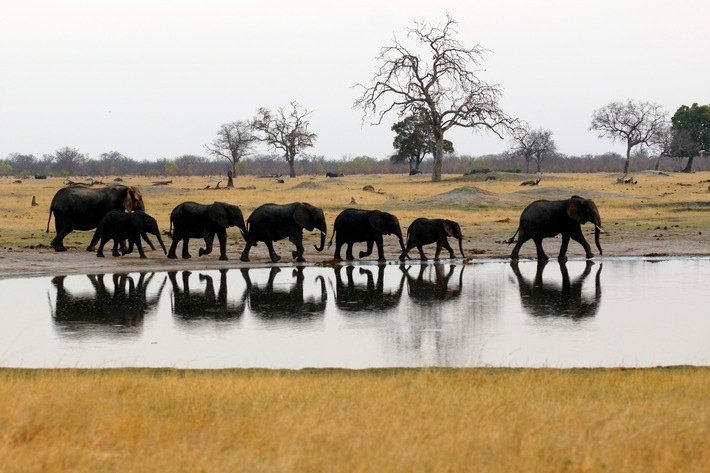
pixel 424 231
pixel 193 220
pixel 546 219
pixel 82 208
pixel 118 226
pixel 273 222
pixel 353 225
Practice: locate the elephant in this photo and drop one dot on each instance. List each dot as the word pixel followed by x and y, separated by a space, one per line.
pixel 82 208
pixel 545 300
pixel 126 306
pixel 546 219
pixel 368 298
pixel 193 220
pixel 270 302
pixel 334 174
pixel 118 226
pixel 424 231
pixel 188 305
pixel 272 222
pixel 425 290
pixel 353 225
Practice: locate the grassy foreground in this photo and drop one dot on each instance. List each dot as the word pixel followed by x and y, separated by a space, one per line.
pixel 381 420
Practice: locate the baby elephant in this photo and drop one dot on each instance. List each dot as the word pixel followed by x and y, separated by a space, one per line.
pixel 424 231
pixel 118 225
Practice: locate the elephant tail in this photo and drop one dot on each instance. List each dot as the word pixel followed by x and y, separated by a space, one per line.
pixel 50 218
pixel 512 239
pixel 170 229
pixel 331 238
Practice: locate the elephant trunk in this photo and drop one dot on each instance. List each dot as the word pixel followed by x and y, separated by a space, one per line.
pixel 162 245
pixel 322 242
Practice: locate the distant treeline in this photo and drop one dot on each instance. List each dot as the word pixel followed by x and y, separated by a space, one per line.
pixel 68 162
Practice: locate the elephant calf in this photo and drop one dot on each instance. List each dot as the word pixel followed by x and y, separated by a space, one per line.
pixel 549 218
pixel 424 231
pixel 118 225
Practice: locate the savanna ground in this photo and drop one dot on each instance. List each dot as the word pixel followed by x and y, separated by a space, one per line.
pixel 370 420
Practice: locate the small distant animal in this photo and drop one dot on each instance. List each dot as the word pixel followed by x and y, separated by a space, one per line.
pixel 334 174
pixel 532 182
pixel 413 172
pixel 40 176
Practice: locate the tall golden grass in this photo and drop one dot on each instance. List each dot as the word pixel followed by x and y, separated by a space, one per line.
pixel 493 420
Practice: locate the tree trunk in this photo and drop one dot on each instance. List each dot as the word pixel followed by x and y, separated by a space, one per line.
pixel 230 180
pixel 537 161
pixel 628 159
pixel 689 165
pixel 438 159
pixel 291 167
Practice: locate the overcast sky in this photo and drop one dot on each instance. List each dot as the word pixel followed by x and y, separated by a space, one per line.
pixel 155 79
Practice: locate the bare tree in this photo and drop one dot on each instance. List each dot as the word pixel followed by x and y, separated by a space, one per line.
pixel 446 88
pixel 234 141
pixel 288 133
pixel 633 122
pixel 533 145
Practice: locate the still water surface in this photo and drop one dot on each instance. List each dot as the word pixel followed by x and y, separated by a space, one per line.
pixel 632 313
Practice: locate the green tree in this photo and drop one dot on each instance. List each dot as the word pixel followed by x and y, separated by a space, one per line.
pixel 286 132
pixel 690 132
pixel 634 122
pixel 170 168
pixel 442 83
pixel 415 139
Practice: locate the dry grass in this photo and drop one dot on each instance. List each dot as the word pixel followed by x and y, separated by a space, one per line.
pixel 383 420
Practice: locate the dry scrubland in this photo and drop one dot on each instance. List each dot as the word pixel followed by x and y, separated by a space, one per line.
pixel 383 420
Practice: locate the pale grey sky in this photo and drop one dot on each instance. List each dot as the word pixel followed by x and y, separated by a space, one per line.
pixel 155 79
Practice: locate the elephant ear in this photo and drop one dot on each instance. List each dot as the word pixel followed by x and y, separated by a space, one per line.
pixel 302 217
pixel 378 221
pixel 133 200
pixel 575 209
pixel 218 214
pixel 138 220
pixel 450 228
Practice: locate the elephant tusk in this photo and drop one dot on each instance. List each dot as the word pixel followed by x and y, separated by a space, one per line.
pixel 601 230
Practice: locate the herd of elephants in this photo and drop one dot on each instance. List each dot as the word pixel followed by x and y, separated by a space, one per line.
pixel 117 213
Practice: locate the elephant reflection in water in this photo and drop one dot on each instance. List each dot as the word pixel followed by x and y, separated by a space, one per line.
pixel 126 306
pixel 188 305
pixel 271 302
pixel 544 300
pixel 368 297
pixel 424 289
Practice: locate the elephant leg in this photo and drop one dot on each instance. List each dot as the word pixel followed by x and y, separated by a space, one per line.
pixel 447 245
pixel 380 250
pixel 272 254
pixel 115 251
pixel 338 245
pixel 94 240
pixel 297 239
pixel 173 247
pixel 349 252
pixel 437 252
pixel 58 241
pixel 140 248
pixel 209 240
pixel 405 254
pixel 422 256
pixel 368 251
pixel 185 252
pixel 541 256
pixel 245 253
pixel 579 238
pixel 222 239
pixel 563 248
pixel 100 250
pixel 522 238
